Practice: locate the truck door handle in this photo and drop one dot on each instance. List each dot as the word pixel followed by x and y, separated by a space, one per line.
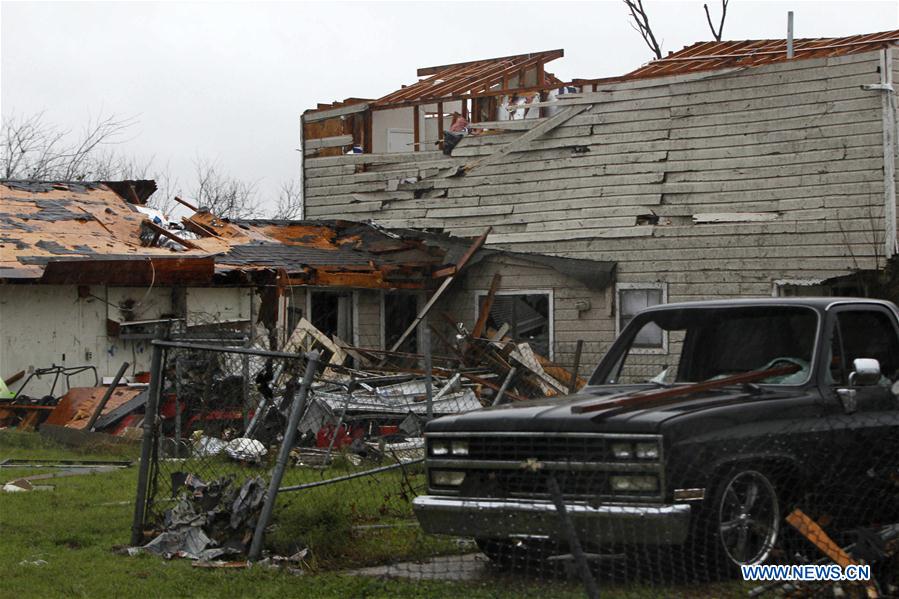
pixel 848 399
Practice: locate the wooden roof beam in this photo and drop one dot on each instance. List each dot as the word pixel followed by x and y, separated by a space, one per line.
pixel 558 53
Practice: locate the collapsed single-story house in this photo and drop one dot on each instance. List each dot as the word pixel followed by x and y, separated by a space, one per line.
pixel 87 277
pixel 727 169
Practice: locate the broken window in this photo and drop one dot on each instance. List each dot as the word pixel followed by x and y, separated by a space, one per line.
pixel 331 312
pixel 528 317
pixel 634 297
pixel 400 310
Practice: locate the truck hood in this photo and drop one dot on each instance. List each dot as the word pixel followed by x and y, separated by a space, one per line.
pixel 555 415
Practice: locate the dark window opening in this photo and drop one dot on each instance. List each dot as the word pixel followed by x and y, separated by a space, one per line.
pixel 400 310
pixel 331 312
pixel 527 315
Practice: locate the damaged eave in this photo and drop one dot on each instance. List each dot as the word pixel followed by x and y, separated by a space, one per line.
pixel 130 271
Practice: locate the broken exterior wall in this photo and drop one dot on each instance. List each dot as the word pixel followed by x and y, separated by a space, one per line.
pixel 219 304
pixel 570 324
pixel 754 175
pixel 49 324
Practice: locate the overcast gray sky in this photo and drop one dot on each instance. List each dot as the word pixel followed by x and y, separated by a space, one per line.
pixel 228 81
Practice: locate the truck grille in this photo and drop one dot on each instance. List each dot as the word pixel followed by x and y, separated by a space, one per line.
pixel 518 465
pixel 574 449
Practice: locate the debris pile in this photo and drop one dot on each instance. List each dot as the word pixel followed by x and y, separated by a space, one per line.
pixel 209 520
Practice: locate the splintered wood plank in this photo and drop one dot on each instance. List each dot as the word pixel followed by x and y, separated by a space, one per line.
pixel 523 141
pixel 481 324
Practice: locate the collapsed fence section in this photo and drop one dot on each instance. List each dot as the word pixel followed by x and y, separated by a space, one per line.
pixel 220 458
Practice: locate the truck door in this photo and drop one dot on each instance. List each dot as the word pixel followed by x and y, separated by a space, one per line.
pixel 865 418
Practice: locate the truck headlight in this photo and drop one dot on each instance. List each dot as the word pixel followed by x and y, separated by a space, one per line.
pixel 623 451
pixel 439 447
pixel 634 483
pixel 447 478
pixel 459 448
pixel 647 451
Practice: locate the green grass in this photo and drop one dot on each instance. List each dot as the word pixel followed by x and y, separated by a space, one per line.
pixel 76 527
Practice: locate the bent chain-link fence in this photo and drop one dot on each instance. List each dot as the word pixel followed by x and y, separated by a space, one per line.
pixel 813 483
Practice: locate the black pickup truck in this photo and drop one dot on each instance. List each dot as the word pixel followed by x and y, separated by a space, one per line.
pixel 702 427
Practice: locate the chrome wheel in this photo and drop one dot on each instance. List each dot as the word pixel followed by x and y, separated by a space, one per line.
pixel 748 518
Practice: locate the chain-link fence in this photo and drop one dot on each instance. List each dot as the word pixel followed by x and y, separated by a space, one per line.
pixel 656 483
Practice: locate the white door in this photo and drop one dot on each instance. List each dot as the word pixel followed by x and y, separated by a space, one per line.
pixel 400 140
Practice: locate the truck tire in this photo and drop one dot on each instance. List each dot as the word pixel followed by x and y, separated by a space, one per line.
pixel 742 524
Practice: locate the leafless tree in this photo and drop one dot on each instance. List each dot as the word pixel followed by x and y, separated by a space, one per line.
pixel 290 202
pixel 641 24
pixel 31 148
pixel 708 17
pixel 35 149
pixel 223 195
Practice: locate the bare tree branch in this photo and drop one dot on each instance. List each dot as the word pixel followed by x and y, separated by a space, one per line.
pixel 222 195
pixel 641 19
pixel 34 149
pixel 290 202
pixel 716 33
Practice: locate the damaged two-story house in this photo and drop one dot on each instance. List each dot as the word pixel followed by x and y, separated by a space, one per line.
pixel 727 169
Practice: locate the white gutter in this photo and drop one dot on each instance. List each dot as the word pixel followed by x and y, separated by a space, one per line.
pixel 888 112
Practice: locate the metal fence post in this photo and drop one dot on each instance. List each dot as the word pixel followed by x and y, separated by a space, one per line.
pixel 572 385
pixel 574 543
pixel 296 411
pixel 429 382
pixel 146 448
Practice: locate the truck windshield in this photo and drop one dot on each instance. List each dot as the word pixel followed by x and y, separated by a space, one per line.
pixel 699 344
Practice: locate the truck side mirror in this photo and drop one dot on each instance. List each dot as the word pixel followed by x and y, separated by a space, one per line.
pixel 865 372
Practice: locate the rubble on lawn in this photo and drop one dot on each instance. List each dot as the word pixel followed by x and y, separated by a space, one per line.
pixel 208 520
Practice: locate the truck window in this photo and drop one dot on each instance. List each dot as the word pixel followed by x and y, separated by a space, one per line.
pixel 718 342
pixel 865 334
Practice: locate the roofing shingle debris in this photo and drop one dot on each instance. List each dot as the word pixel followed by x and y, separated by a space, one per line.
pixel 65 232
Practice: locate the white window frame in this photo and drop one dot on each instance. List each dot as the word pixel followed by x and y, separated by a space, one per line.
pixel 382 333
pixel 619 287
pixel 354 308
pixel 478 294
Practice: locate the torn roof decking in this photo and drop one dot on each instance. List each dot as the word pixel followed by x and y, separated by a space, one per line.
pixel 45 222
pixel 86 233
pixel 710 56
pixel 480 78
pixel 472 78
pixel 89 234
